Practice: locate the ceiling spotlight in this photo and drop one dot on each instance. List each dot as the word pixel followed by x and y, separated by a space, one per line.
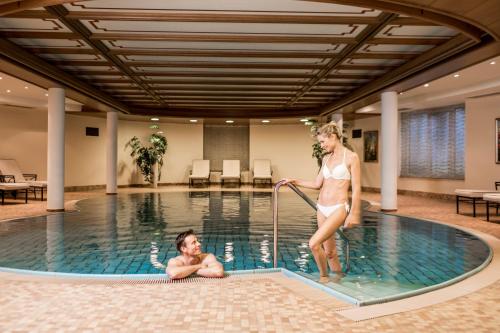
pixel 492 63
pixel 8 90
pixel 155 119
pixel 456 75
pixel 46 95
pixel 304 120
pixel 265 121
pixel 426 85
pixel 159 132
pixel 229 121
pixel 25 87
pixel 401 93
pixel 1 78
pixel 193 120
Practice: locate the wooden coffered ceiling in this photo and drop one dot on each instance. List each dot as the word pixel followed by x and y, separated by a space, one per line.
pixel 212 58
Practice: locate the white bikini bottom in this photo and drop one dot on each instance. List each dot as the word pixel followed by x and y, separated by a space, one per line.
pixel 328 210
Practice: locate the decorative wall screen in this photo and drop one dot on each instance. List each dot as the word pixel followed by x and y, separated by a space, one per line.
pixel 226 142
pixel 432 143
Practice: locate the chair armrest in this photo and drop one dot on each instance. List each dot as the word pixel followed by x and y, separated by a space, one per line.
pixel 30 176
pixel 7 178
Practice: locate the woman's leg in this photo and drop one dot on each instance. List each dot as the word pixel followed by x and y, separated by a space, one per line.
pixel 326 229
pixel 330 247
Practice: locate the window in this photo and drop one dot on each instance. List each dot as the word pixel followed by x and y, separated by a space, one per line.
pixel 432 143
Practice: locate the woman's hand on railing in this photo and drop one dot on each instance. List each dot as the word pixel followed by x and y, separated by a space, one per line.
pixel 285 181
pixel 352 220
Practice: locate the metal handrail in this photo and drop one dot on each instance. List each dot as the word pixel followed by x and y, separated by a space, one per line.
pixel 313 205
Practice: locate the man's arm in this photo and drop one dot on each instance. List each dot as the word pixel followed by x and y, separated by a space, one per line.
pixel 177 270
pixel 212 268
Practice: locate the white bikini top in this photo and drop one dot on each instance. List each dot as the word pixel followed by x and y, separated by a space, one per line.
pixel 339 172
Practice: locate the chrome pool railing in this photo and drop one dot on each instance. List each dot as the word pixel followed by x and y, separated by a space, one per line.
pixel 313 205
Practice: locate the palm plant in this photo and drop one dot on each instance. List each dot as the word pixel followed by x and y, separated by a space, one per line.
pixel 146 156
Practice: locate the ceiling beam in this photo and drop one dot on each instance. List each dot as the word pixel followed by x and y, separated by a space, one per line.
pixel 19 6
pixel 221 53
pixel 368 33
pixel 18 56
pixel 421 12
pixel 84 34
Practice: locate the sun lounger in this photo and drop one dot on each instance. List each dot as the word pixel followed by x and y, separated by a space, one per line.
pixel 493 200
pixel 13 187
pixel 262 171
pixel 200 171
pixel 11 172
pixel 230 171
pixel 471 196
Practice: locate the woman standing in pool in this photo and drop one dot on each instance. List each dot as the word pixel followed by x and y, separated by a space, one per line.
pixel 339 170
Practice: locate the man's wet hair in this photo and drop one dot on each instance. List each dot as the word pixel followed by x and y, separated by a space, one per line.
pixel 179 240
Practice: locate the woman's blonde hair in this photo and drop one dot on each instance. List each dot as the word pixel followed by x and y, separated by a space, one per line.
pixel 329 129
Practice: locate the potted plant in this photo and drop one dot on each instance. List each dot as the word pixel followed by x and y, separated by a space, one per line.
pixel 147 156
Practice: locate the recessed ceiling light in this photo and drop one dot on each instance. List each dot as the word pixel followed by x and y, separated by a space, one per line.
pixel 265 121
pixel 229 121
pixel 155 119
pixel 159 132
pixel 193 120
pixel 25 87
pixel 492 63
pixel 8 90
pixel 1 78
pixel 46 95
pixel 401 93
pixel 426 85
pixel 456 75
pixel 304 120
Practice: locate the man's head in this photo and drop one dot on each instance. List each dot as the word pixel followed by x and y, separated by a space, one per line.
pixel 187 243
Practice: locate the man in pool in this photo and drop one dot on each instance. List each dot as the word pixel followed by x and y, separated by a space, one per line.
pixel 192 260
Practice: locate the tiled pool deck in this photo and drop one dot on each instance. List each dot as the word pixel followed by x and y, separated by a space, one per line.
pixel 257 303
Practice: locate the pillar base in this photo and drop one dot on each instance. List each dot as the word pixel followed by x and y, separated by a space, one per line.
pixel 111 193
pixel 389 210
pixel 55 210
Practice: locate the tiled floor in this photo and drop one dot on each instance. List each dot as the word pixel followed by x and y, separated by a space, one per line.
pixel 264 303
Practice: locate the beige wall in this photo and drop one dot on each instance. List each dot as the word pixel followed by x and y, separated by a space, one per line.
pixel 287 146
pixel 23 136
pixel 481 171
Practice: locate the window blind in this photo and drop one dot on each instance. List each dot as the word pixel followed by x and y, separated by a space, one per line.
pixel 432 143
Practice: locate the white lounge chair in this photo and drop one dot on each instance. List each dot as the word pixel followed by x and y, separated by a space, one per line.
pixel 13 187
pixel 471 196
pixel 262 171
pixel 200 171
pixel 11 172
pixel 230 171
pixel 493 200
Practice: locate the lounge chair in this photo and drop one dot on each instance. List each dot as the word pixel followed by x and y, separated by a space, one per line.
pixel 12 187
pixel 262 171
pixel 471 196
pixel 11 173
pixel 492 199
pixel 230 171
pixel 200 171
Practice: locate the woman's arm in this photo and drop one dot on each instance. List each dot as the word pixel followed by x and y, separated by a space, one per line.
pixel 354 217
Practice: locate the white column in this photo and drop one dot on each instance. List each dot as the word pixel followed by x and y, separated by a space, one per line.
pixel 338 118
pixel 389 151
pixel 111 152
pixel 55 150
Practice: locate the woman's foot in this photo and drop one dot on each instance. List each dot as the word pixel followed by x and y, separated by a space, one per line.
pixel 324 279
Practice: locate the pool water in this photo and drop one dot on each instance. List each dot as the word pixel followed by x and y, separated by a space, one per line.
pixel 122 234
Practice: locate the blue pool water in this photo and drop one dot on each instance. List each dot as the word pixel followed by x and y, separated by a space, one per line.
pixel 116 234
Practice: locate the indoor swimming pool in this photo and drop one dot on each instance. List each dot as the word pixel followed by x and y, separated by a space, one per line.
pixel 390 255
